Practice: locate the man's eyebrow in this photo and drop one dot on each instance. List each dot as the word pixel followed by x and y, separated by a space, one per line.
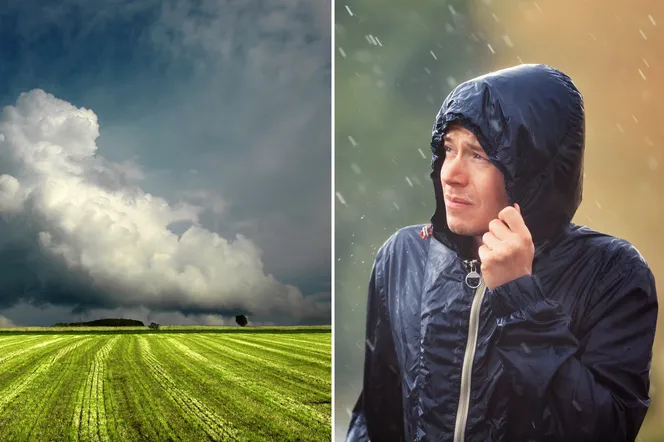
pixel 474 147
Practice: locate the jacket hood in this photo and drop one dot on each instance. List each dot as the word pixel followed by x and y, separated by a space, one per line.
pixel 530 121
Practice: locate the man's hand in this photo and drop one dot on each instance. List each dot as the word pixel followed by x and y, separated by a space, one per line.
pixel 507 251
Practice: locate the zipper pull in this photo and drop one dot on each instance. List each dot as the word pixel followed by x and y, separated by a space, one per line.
pixel 473 279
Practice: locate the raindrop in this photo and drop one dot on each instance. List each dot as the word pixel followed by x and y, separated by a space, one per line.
pixel 451 82
pixel 495 17
pixel 653 163
pixel 378 41
pixel 652 20
pixel 592 36
pixel 538 7
pixel 642 74
pixel 433 55
pixel 643 34
pixel 525 348
pixel 449 28
pixel 599 206
pixel 635 120
pixel 422 153
pixel 352 140
pixel 341 199
pixel 427 71
pixel 349 412
pixel 349 11
pixel 356 168
pixel 490 48
pixel 371 39
pixel 577 406
pixel 410 183
pixel 370 344
pixel 644 60
pixel 508 42
pixel 451 8
pixel 620 128
pixel 396 206
pixel 648 141
pixel 342 52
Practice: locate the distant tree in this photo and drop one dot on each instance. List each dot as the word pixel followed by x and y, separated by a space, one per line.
pixel 241 320
pixel 154 326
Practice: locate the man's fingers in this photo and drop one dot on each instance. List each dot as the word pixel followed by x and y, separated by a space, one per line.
pixel 490 240
pixel 512 217
pixel 499 229
pixel 484 253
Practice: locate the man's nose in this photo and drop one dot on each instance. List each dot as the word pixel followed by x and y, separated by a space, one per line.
pixel 453 172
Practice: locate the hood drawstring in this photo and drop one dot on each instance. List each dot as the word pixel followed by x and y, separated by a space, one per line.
pixel 473 279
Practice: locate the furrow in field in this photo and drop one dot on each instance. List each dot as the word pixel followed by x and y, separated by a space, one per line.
pixel 226 349
pixel 89 420
pixel 290 355
pixel 272 370
pixel 12 341
pixel 12 355
pixel 41 396
pixel 321 344
pixel 262 390
pixel 138 415
pixel 215 426
pixel 297 348
pixel 15 388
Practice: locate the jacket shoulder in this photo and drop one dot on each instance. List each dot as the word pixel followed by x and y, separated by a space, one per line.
pixel 405 237
pixel 616 258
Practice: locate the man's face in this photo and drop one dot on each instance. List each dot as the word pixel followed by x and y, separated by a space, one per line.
pixel 474 189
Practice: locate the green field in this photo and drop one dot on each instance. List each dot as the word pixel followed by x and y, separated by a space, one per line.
pixel 173 386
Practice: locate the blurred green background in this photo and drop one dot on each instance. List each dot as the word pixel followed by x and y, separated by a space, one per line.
pixel 394 64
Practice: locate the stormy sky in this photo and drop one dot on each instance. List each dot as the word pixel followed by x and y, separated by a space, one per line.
pixel 166 161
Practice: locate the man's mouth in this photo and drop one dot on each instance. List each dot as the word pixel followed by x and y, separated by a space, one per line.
pixel 455 200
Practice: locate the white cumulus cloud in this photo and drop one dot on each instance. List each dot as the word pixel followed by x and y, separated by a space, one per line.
pixel 87 215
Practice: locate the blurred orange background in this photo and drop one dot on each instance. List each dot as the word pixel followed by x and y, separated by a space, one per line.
pixel 614 52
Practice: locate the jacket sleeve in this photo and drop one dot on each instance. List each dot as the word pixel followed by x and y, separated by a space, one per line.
pixel 377 415
pixel 591 388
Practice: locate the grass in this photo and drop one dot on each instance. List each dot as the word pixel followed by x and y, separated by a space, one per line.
pixel 174 386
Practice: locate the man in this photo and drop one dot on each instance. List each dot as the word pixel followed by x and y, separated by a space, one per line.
pixel 502 320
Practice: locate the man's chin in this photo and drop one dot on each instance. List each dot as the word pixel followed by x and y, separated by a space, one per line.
pixel 464 229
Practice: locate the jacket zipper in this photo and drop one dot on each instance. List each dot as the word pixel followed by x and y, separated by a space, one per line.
pixel 469 355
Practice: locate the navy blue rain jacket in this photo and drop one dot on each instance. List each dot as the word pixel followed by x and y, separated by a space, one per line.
pixel 563 354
